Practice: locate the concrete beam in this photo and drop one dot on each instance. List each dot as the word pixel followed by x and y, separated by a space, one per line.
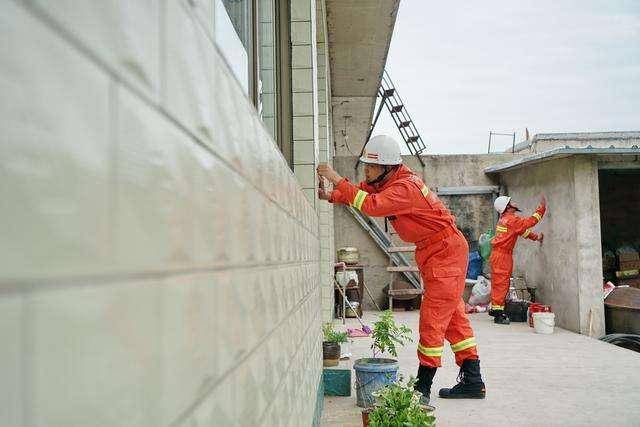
pixel 359 34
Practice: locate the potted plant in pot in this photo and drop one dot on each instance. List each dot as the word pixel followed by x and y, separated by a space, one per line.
pixel 331 345
pixel 376 372
pixel 398 404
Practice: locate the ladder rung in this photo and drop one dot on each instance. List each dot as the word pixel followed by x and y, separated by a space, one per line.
pixel 397 108
pixel 404 124
pixel 389 92
pixel 393 249
pixel 402 268
pixel 412 139
pixel 404 292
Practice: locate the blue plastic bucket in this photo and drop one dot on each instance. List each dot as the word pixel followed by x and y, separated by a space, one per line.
pixel 371 375
pixel 474 268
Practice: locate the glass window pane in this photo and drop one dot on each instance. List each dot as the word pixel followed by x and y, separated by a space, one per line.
pixel 267 84
pixel 234 37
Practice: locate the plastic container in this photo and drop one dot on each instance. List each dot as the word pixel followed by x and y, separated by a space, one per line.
pixel 484 244
pixel 371 376
pixel 474 268
pixel 536 307
pixel 543 323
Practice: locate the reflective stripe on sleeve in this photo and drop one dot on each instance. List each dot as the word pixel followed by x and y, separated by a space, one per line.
pixel 425 190
pixel 526 232
pixel 501 229
pixel 359 199
pixel 537 216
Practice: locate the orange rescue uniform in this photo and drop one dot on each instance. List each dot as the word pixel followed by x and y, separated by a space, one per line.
pixel 509 227
pixel 419 217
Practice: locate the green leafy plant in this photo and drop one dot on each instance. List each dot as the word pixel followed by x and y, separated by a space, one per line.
pixel 398 405
pixel 386 334
pixel 331 335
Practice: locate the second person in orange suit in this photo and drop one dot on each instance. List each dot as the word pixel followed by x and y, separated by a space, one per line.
pixel 393 191
pixel 510 226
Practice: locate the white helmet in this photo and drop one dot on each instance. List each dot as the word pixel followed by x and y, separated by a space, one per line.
pixel 382 150
pixel 501 203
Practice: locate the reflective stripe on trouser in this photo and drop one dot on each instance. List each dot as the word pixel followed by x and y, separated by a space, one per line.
pixel 442 314
pixel 501 268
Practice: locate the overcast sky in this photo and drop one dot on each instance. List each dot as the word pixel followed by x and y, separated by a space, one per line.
pixel 466 67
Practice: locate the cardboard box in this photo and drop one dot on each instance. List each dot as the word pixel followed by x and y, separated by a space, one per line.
pixel 627 274
pixel 627 254
pixel 629 265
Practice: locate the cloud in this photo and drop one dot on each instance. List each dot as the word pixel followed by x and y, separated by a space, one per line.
pixel 466 68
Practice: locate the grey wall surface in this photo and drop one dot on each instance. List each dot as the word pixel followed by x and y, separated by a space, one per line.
pixel 474 214
pixel 567 267
pixel 159 263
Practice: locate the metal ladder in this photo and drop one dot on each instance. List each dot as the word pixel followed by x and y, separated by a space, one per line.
pixel 398 111
pixel 400 262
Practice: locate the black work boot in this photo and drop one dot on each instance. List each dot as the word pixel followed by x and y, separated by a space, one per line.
pixel 470 385
pixel 501 318
pixel 423 385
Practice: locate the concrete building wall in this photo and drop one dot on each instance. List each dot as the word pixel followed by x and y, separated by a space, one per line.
pixel 474 213
pixel 159 263
pixel 567 267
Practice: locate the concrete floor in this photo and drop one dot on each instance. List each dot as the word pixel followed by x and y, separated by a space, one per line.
pixel 532 380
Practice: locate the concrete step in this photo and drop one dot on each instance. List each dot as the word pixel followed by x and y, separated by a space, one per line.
pixel 403 268
pixel 394 249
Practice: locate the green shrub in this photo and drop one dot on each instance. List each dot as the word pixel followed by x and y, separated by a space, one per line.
pixel 386 334
pixel 331 335
pixel 397 405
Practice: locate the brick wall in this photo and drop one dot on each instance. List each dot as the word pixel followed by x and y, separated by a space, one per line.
pixel 159 261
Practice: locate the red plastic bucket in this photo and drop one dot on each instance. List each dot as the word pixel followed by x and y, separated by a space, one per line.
pixel 536 307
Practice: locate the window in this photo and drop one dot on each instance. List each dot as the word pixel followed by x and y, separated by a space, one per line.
pixel 267 83
pixel 234 37
pixel 254 38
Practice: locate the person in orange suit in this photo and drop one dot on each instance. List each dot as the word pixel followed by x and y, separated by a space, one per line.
pixel 510 226
pixel 393 191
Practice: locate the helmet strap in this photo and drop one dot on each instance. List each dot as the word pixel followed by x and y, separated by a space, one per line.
pixel 387 169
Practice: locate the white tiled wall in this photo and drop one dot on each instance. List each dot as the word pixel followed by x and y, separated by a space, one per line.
pixel 159 262
pixel 305 94
pixel 325 152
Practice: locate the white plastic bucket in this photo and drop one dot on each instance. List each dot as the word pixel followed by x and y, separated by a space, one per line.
pixel 543 323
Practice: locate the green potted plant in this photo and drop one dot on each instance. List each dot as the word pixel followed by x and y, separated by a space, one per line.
pixel 398 405
pixel 376 372
pixel 331 345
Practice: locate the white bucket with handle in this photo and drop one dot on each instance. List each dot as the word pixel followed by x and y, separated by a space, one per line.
pixel 543 323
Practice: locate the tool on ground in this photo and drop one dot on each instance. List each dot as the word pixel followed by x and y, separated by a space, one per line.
pixel 365 328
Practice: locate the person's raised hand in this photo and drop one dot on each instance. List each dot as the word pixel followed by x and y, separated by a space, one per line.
pixel 323 193
pixel 325 170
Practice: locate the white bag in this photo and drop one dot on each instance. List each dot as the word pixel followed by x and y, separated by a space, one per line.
pixel 481 292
